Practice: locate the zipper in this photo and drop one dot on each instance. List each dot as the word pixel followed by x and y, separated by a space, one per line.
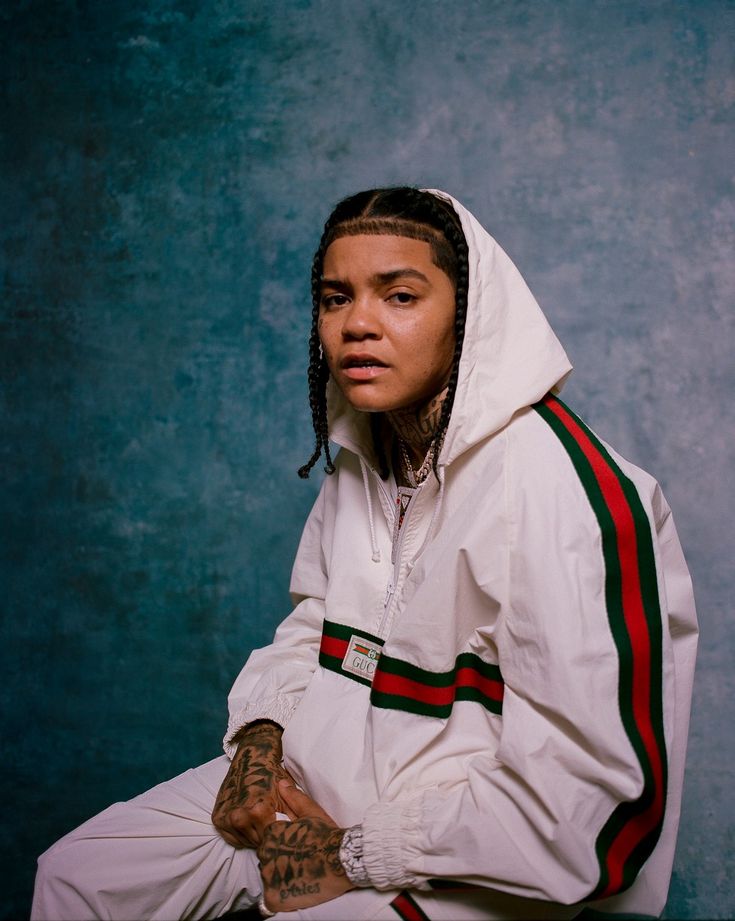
pixel 393 581
pixel 391 586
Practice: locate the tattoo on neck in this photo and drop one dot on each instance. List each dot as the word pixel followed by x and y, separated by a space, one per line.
pixel 417 426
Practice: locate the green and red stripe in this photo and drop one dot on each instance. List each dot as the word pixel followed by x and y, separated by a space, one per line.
pixel 399 685
pixel 335 640
pixel 634 616
pixel 408 908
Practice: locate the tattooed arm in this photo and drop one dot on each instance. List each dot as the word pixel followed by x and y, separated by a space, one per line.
pixel 299 860
pixel 248 799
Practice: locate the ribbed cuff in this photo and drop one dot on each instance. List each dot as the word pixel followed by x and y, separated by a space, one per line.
pixel 279 709
pixel 389 836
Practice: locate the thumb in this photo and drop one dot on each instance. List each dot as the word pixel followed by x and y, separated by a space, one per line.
pixel 300 805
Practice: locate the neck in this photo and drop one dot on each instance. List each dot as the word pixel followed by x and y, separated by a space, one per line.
pixel 417 426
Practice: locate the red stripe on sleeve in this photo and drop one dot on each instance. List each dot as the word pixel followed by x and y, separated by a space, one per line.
pixel 635 620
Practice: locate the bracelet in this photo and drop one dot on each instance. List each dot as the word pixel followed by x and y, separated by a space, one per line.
pixel 350 856
pixel 264 912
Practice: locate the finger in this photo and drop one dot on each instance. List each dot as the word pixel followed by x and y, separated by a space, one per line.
pixel 283 811
pixel 282 806
pixel 248 826
pixel 301 805
pixel 230 839
pixel 231 835
pixel 263 812
pixel 287 775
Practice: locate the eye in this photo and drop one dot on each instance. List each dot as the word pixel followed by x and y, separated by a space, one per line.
pixel 330 301
pixel 402 297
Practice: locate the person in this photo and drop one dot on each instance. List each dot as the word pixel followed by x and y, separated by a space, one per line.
pixel 478 706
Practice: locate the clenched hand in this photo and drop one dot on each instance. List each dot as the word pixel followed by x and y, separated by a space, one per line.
pixel 248 799
pixel 299 860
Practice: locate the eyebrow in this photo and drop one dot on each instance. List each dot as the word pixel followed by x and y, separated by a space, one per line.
pixel 380 278
pixel 385 278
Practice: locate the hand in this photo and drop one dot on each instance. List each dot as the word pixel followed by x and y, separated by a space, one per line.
pixel 248 799
pixel 299 860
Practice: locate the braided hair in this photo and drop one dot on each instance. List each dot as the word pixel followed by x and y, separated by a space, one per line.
pixel 405 212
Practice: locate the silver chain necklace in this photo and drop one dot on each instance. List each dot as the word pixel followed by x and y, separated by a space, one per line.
pixel 416 477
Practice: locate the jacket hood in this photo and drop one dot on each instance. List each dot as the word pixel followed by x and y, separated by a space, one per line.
pixel 510 355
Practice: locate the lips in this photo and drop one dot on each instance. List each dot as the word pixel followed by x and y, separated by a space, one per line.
pixel 362 366
pixel 361 360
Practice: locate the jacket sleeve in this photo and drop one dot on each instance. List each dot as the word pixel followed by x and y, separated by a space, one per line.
pixel 274 678
pixel 572 802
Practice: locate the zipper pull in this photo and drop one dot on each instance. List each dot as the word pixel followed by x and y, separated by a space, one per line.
pixel 388 594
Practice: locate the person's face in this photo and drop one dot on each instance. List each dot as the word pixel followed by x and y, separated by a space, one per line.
pixel 386 321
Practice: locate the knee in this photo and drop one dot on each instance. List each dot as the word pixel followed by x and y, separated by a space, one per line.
pixel 59 888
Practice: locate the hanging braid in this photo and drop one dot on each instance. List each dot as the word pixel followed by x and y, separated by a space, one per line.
pixel 318 370
pixel 376 428
pixel 404 212
pixel 454 234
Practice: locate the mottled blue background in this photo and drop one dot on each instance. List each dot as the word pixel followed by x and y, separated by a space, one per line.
pixel 166 169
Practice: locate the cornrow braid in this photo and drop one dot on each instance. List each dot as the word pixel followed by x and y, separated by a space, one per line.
pixel 403 212
pixel 377 435
pixel 454 234
pixel 318 371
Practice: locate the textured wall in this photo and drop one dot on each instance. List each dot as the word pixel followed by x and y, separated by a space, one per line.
pixel 166 167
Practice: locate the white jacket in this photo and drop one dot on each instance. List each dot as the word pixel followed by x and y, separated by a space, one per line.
pixel 534 634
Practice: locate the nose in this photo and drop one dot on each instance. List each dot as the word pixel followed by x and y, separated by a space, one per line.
pixel 361 320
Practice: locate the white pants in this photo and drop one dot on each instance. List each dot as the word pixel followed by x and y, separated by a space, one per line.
pixel 159 858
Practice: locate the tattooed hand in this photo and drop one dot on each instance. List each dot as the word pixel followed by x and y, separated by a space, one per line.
pixel 299 860
pixel 248 799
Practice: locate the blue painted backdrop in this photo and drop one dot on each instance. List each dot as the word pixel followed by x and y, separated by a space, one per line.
pixel 166 169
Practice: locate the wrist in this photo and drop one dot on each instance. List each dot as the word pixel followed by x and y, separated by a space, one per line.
pixel 350 856
pixel 257 727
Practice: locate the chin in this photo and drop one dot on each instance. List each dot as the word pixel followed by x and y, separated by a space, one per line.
pixel 369 406
pixel 364 402
pixel 369 403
